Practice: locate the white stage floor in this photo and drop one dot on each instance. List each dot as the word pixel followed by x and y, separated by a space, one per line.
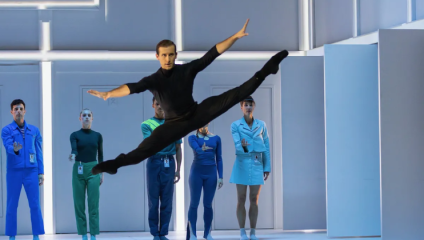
pixel 218 235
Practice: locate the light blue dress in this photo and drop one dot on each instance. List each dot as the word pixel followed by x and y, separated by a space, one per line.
pixel 249 167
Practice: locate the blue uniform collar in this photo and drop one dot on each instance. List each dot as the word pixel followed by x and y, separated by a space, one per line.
pixel 15 125
pixel 246 126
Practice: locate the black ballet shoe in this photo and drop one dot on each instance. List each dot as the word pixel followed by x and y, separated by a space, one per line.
pixel 106 166
pixel 110 166
pixel 272 66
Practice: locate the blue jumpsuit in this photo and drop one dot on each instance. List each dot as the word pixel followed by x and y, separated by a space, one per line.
pixel 23 168
pixel 203 173
pixel 160 181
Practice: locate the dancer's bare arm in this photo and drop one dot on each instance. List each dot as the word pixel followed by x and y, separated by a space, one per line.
pixel 199 64
pixel 227 43
pixel 123 90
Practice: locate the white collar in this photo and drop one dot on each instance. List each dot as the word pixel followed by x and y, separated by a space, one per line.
pixel 199 135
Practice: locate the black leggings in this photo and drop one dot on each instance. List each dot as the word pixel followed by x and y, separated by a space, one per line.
pixel 173 130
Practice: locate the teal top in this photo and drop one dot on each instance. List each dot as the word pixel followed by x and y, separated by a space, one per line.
pixel 147 128
pixel 87 145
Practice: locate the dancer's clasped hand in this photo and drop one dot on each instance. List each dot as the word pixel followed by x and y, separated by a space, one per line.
pixel 17 146
pixel 204 147
pixel 244 143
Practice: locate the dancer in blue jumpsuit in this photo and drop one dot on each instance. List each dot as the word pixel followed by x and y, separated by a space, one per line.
pixel 22 142
pixel 161 177
pixel 207 162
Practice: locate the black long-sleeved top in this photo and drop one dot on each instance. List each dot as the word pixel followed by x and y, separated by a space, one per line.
pixel 87 145
pixel 173 88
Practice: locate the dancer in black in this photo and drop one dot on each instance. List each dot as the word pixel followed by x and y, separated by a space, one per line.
pixel 172 86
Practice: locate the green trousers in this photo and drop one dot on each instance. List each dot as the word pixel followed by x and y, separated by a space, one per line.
pixel 80 184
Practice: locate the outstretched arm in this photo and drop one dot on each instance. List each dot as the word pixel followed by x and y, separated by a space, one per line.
pixel 199 64
pixel 227 43
pixel 123 90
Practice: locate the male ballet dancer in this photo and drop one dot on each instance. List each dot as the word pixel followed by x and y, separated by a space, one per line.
pixel 172 86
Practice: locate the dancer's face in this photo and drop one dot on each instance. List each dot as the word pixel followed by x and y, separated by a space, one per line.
pixel 18 112
pixel 86 118
pixel 158 110
pixel 204 130
pixel 248 108
pixel 166 57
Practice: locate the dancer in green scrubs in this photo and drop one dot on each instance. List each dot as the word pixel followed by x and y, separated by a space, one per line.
pixel 87 148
